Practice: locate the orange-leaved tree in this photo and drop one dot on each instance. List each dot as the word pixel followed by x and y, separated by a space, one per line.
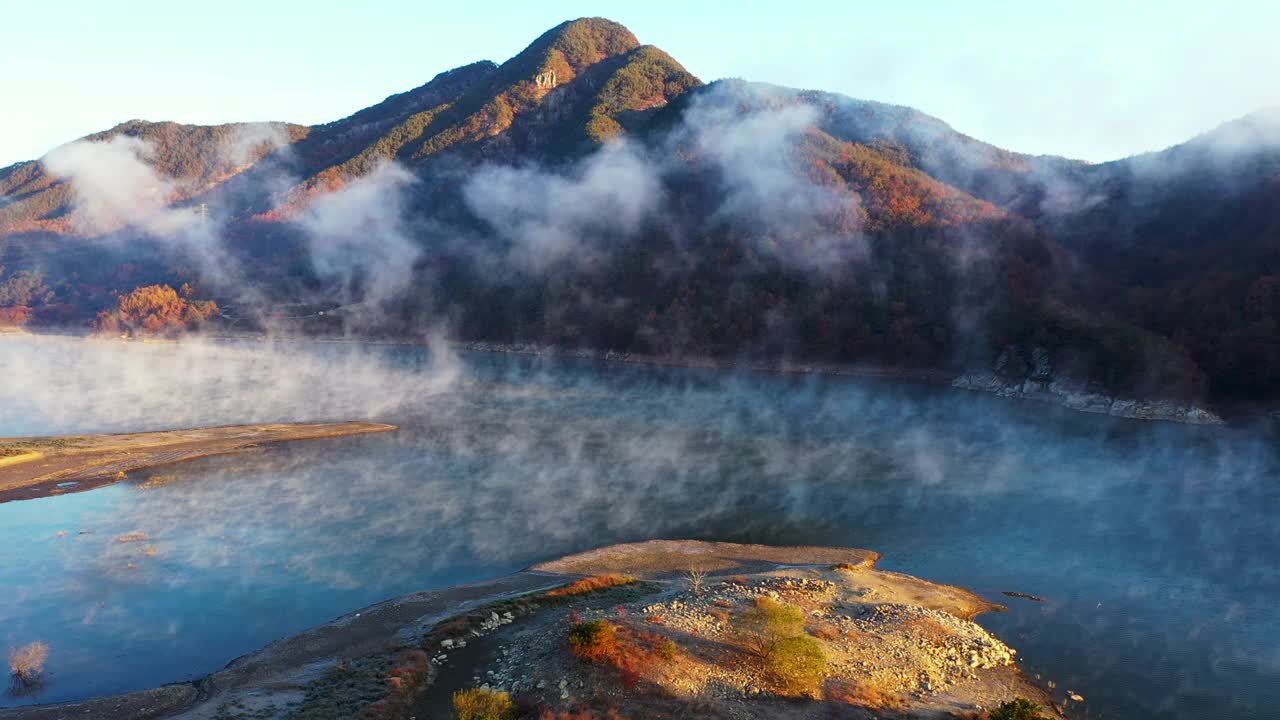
pixel 156 309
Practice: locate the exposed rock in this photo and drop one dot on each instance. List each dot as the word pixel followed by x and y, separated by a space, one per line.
pixel 546 80
pixel 1029 375
pixel 1041 367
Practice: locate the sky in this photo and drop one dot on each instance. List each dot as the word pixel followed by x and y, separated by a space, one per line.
pixel 1085 79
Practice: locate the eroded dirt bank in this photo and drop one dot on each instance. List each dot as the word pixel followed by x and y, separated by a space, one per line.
pixel 44 466
pixel 894 646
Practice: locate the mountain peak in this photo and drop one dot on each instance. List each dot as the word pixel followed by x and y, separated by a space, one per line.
pixel 588 40
pixel 567 49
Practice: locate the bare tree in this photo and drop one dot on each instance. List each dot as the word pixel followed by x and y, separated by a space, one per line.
pixel 27 663
pixel 696 577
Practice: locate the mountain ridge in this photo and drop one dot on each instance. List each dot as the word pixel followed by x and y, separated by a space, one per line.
pixel 745 219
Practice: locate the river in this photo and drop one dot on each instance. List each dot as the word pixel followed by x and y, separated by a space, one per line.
pixel 1155 547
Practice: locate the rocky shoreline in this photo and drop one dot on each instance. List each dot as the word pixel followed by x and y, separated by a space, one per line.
pixel 705 363
pixel 1037 385
pixel 1029 373
pixel 1069 394
pixel 1073 396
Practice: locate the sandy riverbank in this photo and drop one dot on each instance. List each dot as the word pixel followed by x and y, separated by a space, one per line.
pixel 509 633
pixel 43 466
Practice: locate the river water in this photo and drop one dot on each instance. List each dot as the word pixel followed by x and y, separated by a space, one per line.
pixel 1156 547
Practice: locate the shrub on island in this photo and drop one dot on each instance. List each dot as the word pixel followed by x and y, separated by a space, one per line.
pixel 483 704
pixel 1018 708
pixel 633 652
pixel 592 584
pixel 774 632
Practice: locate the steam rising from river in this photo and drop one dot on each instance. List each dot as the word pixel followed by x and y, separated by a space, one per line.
pixel 1152 543
pixel 58 385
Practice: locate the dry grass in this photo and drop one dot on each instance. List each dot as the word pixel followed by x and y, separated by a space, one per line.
pixel 409 670
pixel 546 714
pixel 483 704
pixel 829 632
pixel 27 662
pixel 157 481
pixel 633 652
pixel 593 584
pixel 862 694
pixel 378 687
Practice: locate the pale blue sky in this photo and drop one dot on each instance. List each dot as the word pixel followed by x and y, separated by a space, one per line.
pixel 1089 79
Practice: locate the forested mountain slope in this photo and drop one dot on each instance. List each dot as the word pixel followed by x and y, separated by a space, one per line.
pixel 591 192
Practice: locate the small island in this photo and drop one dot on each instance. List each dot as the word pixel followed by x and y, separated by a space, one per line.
pixel 43 466
pixel 652 629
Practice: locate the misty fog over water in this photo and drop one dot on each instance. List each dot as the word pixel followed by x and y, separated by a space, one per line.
pixel 1154 546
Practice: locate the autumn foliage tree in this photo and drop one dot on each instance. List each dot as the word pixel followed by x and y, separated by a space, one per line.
pixel 156 309
pixel 19 293
pixel 15 316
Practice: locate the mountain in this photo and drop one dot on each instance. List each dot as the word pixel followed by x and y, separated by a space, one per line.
pixel 1185 242
pixel 591 192
pixel 197 158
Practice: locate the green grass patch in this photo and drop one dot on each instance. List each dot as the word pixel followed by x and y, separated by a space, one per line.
pixel 1018 708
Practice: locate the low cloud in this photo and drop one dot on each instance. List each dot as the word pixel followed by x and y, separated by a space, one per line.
pixel 747 137
pixel 358 236
pixel 63 385
pixel 548 216
pixel 253 140
pixel 754 153
pixel 115 186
